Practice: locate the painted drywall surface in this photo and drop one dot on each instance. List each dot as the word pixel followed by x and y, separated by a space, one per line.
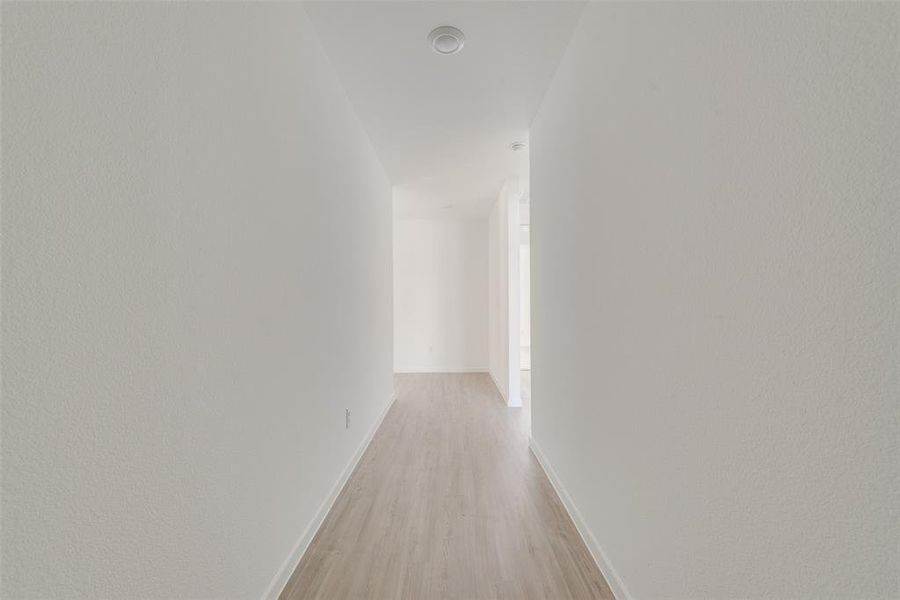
pixel 441 294
pixel 503 299
pixel 498 317
pixel 513 191
pixel 525 284
pixel 441 124
pixel 716 282
pixel 196 257
pixel 525 305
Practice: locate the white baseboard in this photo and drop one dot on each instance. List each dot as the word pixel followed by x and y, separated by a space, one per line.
pixel 499 389
pixel 453 370
pixel 290 564
pixel 516 403
pixel 609 573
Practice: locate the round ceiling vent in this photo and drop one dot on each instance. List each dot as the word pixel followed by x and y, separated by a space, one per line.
pixel 517 146
pixel 447 40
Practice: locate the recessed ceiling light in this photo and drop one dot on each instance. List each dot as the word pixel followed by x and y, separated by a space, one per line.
pixel 517 146
pixel 447 40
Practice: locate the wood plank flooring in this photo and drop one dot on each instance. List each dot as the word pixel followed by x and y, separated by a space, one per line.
pixel 448 503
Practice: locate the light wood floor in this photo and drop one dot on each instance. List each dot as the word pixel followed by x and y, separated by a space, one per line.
pixel 448 502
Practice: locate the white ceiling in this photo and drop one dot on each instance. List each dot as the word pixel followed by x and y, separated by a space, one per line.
pixel 442 125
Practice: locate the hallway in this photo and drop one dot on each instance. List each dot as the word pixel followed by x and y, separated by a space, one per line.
pixel 448 502
pixel 275 276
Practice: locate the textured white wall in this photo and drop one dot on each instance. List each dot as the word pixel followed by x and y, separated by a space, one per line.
pixel 196 257
pixel 503 298
pixel 716 283
pixel 441 294
pixel 525 302
pixel 498 319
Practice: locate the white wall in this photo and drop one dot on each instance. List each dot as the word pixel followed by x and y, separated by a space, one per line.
pixel 716 277
pixel 525 305
pixel 525 283
pixel 440 291
pixel 503 298
pixel 498 319
pixel 196 257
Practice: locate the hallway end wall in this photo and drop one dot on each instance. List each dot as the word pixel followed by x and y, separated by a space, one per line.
pixel 716 276
pixel 440 295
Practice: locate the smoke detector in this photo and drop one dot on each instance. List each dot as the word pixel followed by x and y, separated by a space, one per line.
pixel 517 146
pixel 446 40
